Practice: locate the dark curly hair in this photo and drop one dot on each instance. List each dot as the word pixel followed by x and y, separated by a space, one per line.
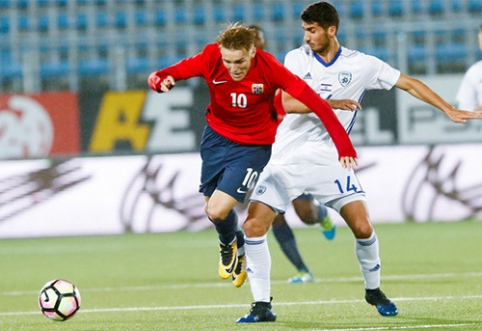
pixel 322 13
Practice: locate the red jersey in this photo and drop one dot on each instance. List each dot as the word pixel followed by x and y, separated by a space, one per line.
pixel 244 111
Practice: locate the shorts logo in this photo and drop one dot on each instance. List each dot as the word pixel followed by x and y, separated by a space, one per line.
pixel 344 77
pixel 260 190
pixel 257 88
pixel 241 191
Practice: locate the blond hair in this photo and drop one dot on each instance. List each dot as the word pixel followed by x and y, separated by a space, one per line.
pixel 237 37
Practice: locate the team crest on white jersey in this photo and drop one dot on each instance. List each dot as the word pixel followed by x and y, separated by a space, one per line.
pixel 257 88
pixel 344 77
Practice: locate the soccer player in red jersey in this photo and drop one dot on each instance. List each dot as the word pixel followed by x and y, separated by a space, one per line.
pixel 241 126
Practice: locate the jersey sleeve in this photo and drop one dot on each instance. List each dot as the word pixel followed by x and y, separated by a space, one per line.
pixel 189 67
pixel 383 76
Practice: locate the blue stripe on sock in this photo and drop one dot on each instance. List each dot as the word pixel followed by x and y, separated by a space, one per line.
pixel 367 243
pixel 254 242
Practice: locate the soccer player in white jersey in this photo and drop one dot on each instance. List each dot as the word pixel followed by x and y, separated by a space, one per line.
pixel 304 159
pixel 309 210
pixel 469 95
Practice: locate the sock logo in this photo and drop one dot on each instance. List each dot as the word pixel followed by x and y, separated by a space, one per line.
pixel 375 268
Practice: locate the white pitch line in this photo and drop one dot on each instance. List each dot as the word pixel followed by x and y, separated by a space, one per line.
pixel 225 284
pixel 408 327
pixel 237 305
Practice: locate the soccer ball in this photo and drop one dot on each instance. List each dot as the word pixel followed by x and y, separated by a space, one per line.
pixel 59 300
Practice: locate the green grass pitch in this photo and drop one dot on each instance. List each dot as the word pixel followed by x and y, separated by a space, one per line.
pixel 433 271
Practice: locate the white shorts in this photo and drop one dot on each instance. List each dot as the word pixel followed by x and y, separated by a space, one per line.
pixel 334 186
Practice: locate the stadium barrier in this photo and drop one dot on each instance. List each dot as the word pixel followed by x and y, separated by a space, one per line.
pixel 159 193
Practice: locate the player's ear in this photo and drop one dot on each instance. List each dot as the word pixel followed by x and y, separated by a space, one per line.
pixel 332 31
pixel 252 51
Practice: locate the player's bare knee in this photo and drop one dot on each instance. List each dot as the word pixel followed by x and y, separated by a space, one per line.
pixel 216 214
pixel 362 230
pixel 306 210
pixel 255 228
pixel 307 218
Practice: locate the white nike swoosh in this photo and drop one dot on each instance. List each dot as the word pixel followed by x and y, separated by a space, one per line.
pixel 240 191
pixel 219 82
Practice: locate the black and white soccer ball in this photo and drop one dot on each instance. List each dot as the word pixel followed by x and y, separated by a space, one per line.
pixel 59 300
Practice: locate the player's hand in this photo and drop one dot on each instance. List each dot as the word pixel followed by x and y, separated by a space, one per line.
pixel 344 104
pixel 167 84
pixel 461 116
pixel 159 84
pixel 349 162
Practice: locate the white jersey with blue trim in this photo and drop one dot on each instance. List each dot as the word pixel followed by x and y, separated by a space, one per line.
pixel 302 137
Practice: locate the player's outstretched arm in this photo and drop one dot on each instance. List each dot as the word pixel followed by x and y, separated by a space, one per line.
pixel 292 105
pixel 421 91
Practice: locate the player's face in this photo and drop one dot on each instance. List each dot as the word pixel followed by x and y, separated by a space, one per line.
pixel 316 37
pixel 237 62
